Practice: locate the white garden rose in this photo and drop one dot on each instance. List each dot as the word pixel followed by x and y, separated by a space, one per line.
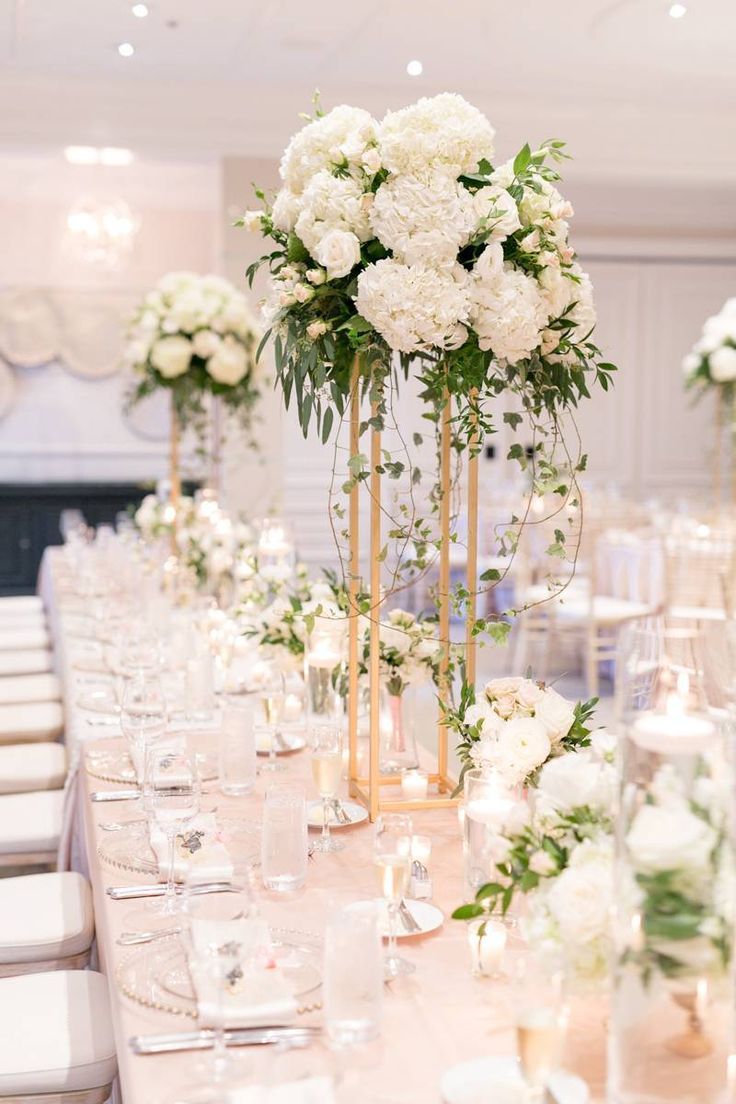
pixel 521 746
pixel 670 838
pixel 442 130
pixel 423 220
pixel 581 898
pixel 507 313
pixel 205 343
pixel 556 714
pixel 498 209
pixel 574 779
pixel 722 364
pixel 229 363
pixel 171 356
pixel 332 203
pixel 482 711
pixel 285 210
pixel 341 136
pixel 412 307
pixel 338 252
pixel 502 687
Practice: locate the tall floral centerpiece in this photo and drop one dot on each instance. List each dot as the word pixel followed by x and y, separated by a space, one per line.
pixel 711 366
pixel 398 248
pixel 194 337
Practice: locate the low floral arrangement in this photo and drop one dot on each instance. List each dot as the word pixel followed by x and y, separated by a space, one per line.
pixel 194 336
pixel 515 725
pixel 212 547
pixel 154 518
pixel 712 361
pixel 408 649
pixel 281 630
pixel 557 853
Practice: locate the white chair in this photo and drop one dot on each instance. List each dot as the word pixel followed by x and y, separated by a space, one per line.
pixel 31 721
pixel 21 605
pixel 25 768
pixel 30 827
pixel 46 923
pixel 15 690
pixel 56 1038
pixel 24 639
pixel 700 569
pixel 29 661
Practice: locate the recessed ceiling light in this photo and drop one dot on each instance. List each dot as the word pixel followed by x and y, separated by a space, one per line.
pixel 114 155
pixel 126 49
pixel 414 68
pixel 140 10
pixel 677 11
pixel 81 155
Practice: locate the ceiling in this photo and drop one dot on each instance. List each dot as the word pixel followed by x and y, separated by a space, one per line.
pixel 636 93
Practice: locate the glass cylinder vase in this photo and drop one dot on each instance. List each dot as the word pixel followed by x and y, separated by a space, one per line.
pixel 398 741
pixel 324 657
pixel 488 805
pixel 673 993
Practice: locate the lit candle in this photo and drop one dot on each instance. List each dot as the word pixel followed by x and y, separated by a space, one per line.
pixel 414 785
pixel 673 730
pixel 421 849
pixel 492 811
pixel 487 941
pixel 292 707
pixel 323 655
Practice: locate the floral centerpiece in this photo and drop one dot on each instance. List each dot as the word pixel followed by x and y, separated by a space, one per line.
pixel 154 518
pixel 557 854
pixel 282 628
pixel 712 361
pixel 402 238
pixel 194 336
pixel 515 725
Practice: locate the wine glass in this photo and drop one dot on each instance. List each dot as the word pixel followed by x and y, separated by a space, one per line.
pixel 325 742
pixel 392 857
pixel 140 650
pixel 272 694
pixel 143 718
pixel 541 1016
pixel 174 794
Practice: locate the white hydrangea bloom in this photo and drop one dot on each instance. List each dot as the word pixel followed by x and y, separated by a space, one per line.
pixel 342 136
pixel 285 210
pixel 333 203
pixel 423 220
pixel 411 306
pixel 442 130
pixel 506 310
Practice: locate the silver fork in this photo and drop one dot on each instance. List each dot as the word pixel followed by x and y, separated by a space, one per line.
pixel 339 810
pixel 407 919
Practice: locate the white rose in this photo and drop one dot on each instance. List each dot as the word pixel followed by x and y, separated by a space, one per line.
pixel 302 293
pixel 252 220
pixel 502 687
pixel 205 343
pixel 542 863
pixel 316 276
pixel 229 364
pixel 690 364
pixel 285 211
pixel 529 694
pixel 371 160
pixel 338 252
pixel 669 838
pixel 316 329
pixel 556 714
pixel 580 899
pixel 171 356
pixel 522 746
pixel 495 205
pixel 482 711
pixel 577 779
pixel 722 364
pixel 604 744
pixel 505 705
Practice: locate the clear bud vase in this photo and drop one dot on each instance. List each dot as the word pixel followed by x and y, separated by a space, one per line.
pixel 673 998
pixel 398 743
pixel 323 667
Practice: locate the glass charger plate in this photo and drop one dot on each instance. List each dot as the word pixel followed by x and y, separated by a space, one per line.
pixel 157 976
pixel 115 764
pixel 130 848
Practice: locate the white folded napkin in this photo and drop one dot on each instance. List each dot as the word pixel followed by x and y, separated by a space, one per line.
pixel 174 742
pixel 199 853
pixel 258 995
pixel 311 1090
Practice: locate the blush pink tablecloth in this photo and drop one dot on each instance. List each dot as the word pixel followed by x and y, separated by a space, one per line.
pixel 433 1019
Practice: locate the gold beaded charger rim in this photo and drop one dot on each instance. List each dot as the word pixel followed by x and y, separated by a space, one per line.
pixel 137 975
pixel 142 860
pixel 117 766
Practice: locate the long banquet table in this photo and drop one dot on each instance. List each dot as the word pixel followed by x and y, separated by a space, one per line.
pixel 433 1019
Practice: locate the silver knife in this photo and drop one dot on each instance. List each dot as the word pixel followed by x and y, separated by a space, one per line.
pixel 114 795
pixel 203 1040
pixel 410 924
pixel 129 893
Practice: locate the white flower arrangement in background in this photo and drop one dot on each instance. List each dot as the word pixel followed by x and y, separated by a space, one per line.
pixel 409 651
pixel 712 361
pixel 193 336
pixel 281 629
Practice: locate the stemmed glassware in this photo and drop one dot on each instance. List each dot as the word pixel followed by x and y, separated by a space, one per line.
pixel 272 694
pixel 325 742
pixel 174 795
pixel 392 857
pixel 541 1016
pixel 143 718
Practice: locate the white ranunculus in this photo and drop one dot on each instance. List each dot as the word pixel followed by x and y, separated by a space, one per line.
pixel 413 308
pixel 670 838
pixel 229 363
pixel 205 343
pixel 494 205
pixel 556 714
pixel 581 898
pixel 529 694
pixel 333 203
pixel 604 744
pixel 483 712
pixel 340 135
pixel 574 779
pixel 507 312
pixel 171 356
pixel 722 364
pixel 338 252
pixel 442 130
pixel 522 745
pixel 423 220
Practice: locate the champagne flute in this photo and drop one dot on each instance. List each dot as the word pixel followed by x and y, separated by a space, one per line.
pixel 392 857
pixel 541 1016
pixel 272 695
pixel 325 742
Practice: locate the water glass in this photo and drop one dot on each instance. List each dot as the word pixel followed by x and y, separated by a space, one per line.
pixel 237 747
pixel 353 974
pixel 199 694
pixel 284 845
